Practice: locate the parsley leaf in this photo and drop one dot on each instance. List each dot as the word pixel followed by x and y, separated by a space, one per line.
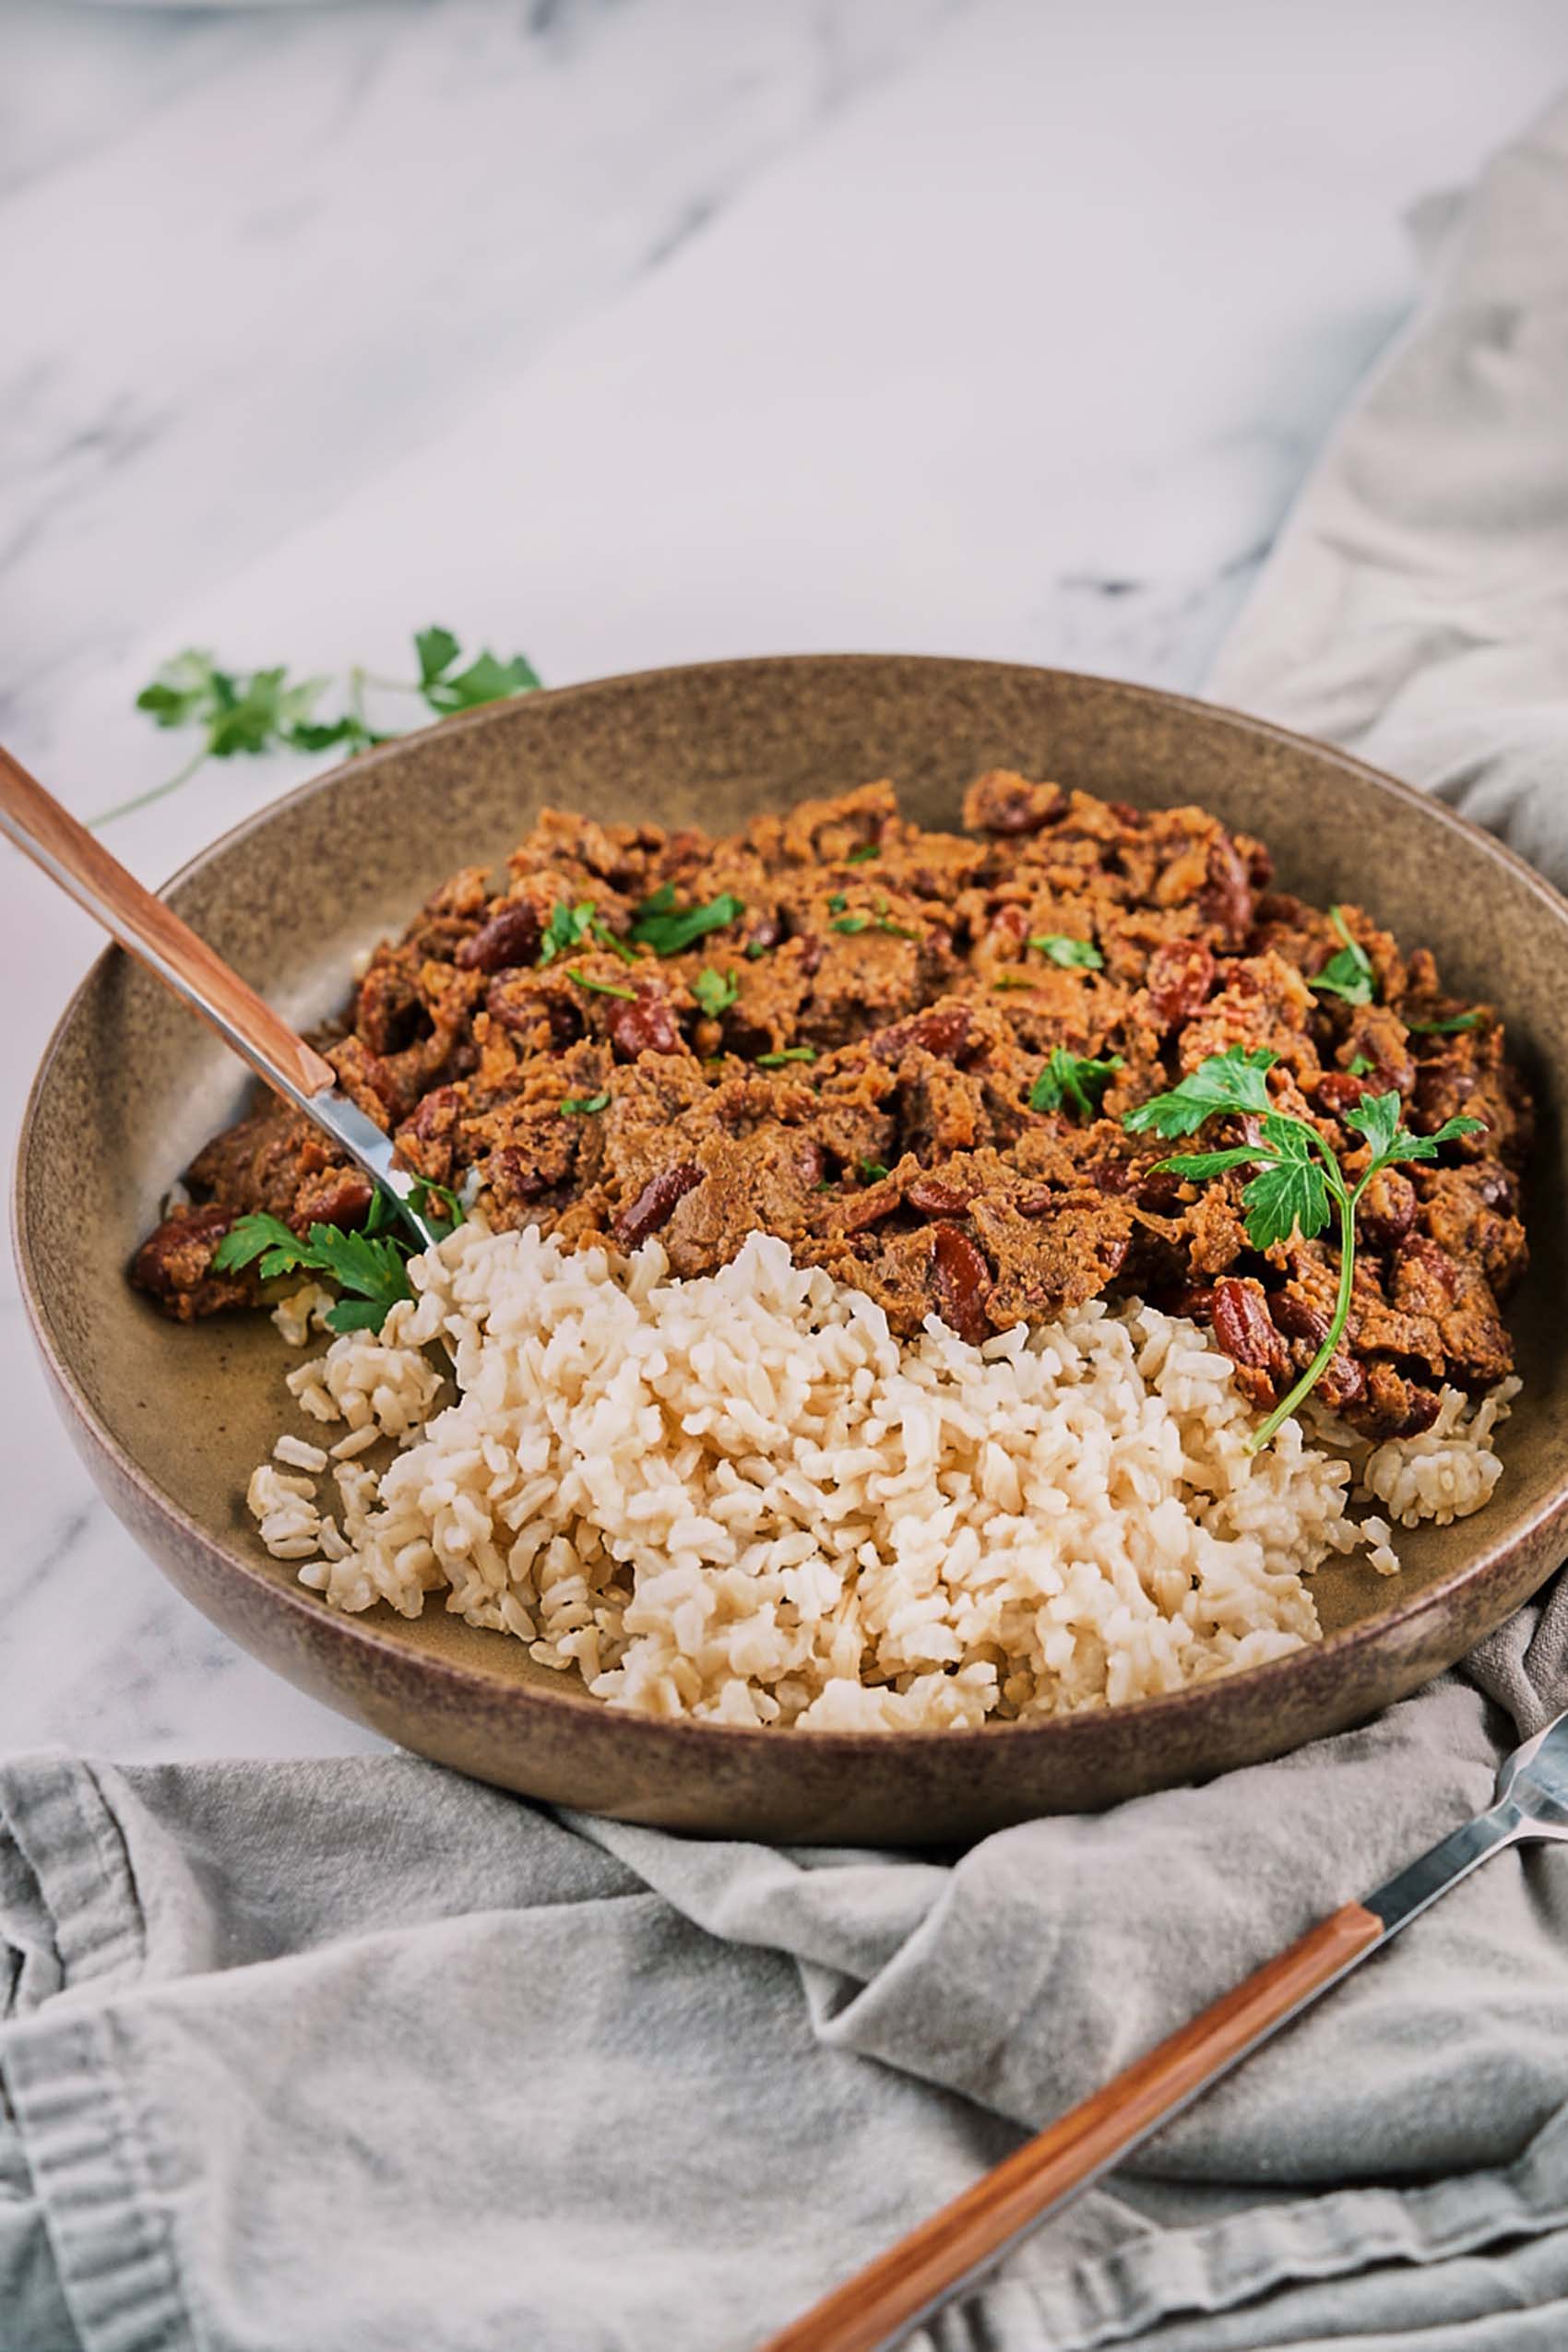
pixel 668 930
pixel 867 850
pixel 872 1172
pixel 1359 1066
pixel 1233 1080
pixel 567 927
pixel 1443 1028
pixel 850 922
pixel 372 1269
pixel 1012 979
pixel 786 1054
pixel 715 991
pixel 437 1204
pixel 1289 1197
pixel 575 1105
pixel 1071 1082
pixel 1349 974
pixel 1080 954
pixel 486 679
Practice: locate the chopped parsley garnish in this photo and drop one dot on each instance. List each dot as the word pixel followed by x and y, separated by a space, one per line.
pixel 1349 974
pixel 837 903
pixel 872 1172
pixel 574 1106
pixel 753 949
pixel 669 929
pixel 1443 1028
pixel 867 850
pixel 601 988
pixel 786 1054
pixel 1012 979
pixel 1073 1082
pixel 613 939
pixel 567 927
pixel 1357 1066
pixel 1299 1185
pixel 571 926
pixel 1072 954
pixel 715 991
pixel 850 922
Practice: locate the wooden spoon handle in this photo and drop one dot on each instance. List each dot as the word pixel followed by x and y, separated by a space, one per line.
pixel 68 853
pixel 958 2245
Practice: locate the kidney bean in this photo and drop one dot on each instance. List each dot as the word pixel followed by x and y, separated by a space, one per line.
pixel 655 1203
pixel 943 1031
pixel 342 1199
pixel 646 1026
pixel 1244 1329
pixel 962 1280
pixel 1019 807
pixel 869 1208
pixel 1181 975
pixel 1299 1317
pixel 1226 896
pixel 1338 1091
pixel 1125 812
pixel 1387 1209
pixel 515 1176
pixel 508 938
pixel 1342 1381
pixel 933 1198
pixel 1497 1188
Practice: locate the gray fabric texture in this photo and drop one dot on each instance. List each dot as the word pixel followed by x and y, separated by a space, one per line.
pixel 358 2057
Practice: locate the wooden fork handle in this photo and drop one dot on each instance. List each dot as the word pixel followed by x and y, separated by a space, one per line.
pixel 70 855
pixel 959 2244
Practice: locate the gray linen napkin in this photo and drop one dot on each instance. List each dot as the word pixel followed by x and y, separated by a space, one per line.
pixel 358 2057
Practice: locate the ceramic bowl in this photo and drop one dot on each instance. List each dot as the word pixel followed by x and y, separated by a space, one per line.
pixel 170 1420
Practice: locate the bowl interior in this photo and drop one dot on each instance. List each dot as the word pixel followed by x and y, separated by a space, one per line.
pixel 134 1085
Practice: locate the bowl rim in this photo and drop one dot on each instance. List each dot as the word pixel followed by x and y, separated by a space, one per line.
pixel 365 1631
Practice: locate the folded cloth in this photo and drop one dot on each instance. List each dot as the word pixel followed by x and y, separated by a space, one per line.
pixel 359 2057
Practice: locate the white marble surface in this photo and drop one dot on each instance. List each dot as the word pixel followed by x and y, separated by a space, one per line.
pixel 627 334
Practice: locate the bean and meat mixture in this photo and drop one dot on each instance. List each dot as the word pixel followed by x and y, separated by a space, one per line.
pixel 908 1053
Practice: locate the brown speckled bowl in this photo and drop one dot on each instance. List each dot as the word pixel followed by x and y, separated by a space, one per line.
pixel 171 1421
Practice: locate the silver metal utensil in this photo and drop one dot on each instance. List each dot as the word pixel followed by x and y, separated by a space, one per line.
pixel 71 856
pixel 955 2248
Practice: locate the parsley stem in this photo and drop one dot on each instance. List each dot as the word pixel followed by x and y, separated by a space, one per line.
pixel 1345 1203
pixel 154 792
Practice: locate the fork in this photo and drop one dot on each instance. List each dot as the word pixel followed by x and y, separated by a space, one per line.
pixel 68 854
pixel 953 2249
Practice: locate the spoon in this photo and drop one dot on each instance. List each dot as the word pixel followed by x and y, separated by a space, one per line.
pixel 69 855
pixel 953 2249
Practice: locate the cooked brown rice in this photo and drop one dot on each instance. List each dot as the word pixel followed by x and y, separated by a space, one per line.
pixel 740 1497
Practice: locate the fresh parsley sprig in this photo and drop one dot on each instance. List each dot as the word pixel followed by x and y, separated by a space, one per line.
pixel 1299 1185
pixel 247 712
pixel 369 1265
